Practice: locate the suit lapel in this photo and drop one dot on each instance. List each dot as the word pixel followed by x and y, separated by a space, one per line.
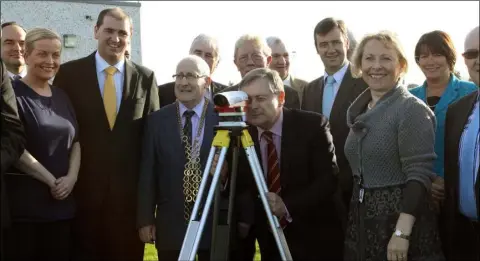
pixel 319 105
pixel 128 94
pixel 210 121
pixel 92 90
pixel 176 141
pixel 343 95
pixel 286 143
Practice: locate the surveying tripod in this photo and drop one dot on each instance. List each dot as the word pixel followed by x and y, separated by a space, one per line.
pixel 224 132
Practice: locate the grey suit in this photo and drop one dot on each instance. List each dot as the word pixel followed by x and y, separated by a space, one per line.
pixel 161 177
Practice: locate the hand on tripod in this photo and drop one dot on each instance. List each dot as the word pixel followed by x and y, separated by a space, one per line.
pixel 223 172
pixel 276 205
pixel 147 234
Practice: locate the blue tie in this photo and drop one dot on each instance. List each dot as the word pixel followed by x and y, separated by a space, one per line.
pixel 328 96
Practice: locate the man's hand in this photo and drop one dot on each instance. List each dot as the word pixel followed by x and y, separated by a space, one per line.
pixel 223 172
pixel 276 204
pixel 63 187
pixel 438 189
pixel 147 234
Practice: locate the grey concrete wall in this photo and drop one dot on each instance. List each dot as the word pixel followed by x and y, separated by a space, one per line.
pixel 70 17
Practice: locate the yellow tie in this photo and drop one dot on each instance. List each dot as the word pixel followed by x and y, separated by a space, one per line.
pixel 110 96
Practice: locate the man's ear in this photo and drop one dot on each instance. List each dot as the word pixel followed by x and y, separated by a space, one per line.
pixel 95 31
pixel 269 60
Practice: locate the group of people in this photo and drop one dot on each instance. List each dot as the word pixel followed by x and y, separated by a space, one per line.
pixel 358 167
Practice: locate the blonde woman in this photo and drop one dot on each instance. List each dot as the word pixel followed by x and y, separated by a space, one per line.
pixel 39 188
pixel 390 149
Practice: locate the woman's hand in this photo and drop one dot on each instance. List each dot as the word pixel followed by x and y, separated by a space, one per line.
pixel 397 249
pixel 438 189
pixel 63 187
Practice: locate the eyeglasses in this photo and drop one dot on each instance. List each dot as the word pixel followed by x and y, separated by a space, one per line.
pixel 470 54
pixel 188 76
pixel 256 58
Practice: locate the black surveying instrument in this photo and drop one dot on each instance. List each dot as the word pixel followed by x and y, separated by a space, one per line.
pixel 232 127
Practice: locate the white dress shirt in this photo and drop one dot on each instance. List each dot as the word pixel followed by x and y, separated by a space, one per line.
pixel 22 74
pixel 287 81
pixel 118 77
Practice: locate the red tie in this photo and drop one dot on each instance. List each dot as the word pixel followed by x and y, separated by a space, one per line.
pixel 273 176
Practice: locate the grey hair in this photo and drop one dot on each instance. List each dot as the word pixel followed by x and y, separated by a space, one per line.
pixel 472 34
pixel 257 40
pixel 272 41
pixel 274 80
pixel 203 67
pixel 204 38
pixel 352 44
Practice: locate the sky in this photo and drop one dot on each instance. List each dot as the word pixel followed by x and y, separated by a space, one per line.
pixel 169 27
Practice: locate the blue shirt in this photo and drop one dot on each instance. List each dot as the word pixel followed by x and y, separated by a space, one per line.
pixel 455 90
pixel 469 156
pixel 101 65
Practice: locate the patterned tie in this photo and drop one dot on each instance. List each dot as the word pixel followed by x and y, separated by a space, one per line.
pixel 110 96
pixel 187 128
pixel 273 174
pixel 328 96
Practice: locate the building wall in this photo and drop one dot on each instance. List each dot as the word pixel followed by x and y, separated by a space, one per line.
pixel 73 17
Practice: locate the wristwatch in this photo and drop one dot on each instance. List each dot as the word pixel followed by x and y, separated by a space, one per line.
pixel 400 234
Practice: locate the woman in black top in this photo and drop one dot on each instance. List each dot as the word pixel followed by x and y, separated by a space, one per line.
pixel 39 187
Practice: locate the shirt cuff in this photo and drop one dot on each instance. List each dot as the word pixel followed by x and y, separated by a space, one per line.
pixel 287 216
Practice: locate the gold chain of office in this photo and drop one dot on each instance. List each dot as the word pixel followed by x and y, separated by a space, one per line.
pixel 192 173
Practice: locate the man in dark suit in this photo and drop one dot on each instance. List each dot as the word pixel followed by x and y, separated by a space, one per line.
pixel 332 94
pixel 206 47
pixel 111 96
pixel 252 52
pixel 297 156
pixel 12 141
pixel 462 149
pixel 165 188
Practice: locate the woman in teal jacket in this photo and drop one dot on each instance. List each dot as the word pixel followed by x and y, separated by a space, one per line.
pixel 436 57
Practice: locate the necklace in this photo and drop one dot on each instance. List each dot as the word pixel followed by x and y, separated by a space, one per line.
pixel 192 173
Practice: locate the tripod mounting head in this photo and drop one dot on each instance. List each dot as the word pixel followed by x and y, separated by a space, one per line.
pixel 230 106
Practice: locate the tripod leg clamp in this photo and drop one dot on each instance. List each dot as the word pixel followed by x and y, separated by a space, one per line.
pixel 222 139
pixel 247 140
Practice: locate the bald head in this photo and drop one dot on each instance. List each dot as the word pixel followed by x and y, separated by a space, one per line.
pixel 191 80
pixel 471 55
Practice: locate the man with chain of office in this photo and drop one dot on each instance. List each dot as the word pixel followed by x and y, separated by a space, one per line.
pixel 176 145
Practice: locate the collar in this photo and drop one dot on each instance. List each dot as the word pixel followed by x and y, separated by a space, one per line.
pixel 276 128
pixel 101 64
pixel 338 76
pixel 198 109
pixel 288 80
pixel 22 73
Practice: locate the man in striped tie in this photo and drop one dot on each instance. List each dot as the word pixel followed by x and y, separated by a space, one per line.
pixel 297 155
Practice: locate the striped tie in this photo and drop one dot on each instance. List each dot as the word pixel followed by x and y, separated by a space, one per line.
pixel 273 174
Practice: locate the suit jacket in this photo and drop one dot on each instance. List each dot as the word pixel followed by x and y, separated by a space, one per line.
pixel 455 227
pixel 298 85
pixel 308 182
pixel 108 173
pixel 167 92
pixel 13 136
pixel 349 90
pixel 291 96
pixel 161 177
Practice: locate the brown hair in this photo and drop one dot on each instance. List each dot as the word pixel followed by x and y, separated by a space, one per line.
pixel 388 39
pixel 437 42
pixel 272 76
pixel 116 13
pixel 327 25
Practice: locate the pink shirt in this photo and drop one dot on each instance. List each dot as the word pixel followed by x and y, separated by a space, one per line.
pixel 277 141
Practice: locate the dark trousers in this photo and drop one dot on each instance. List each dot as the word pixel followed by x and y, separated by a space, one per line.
pixel 27 241
pixel 104 235
pixel 466 244
pixel 172 255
